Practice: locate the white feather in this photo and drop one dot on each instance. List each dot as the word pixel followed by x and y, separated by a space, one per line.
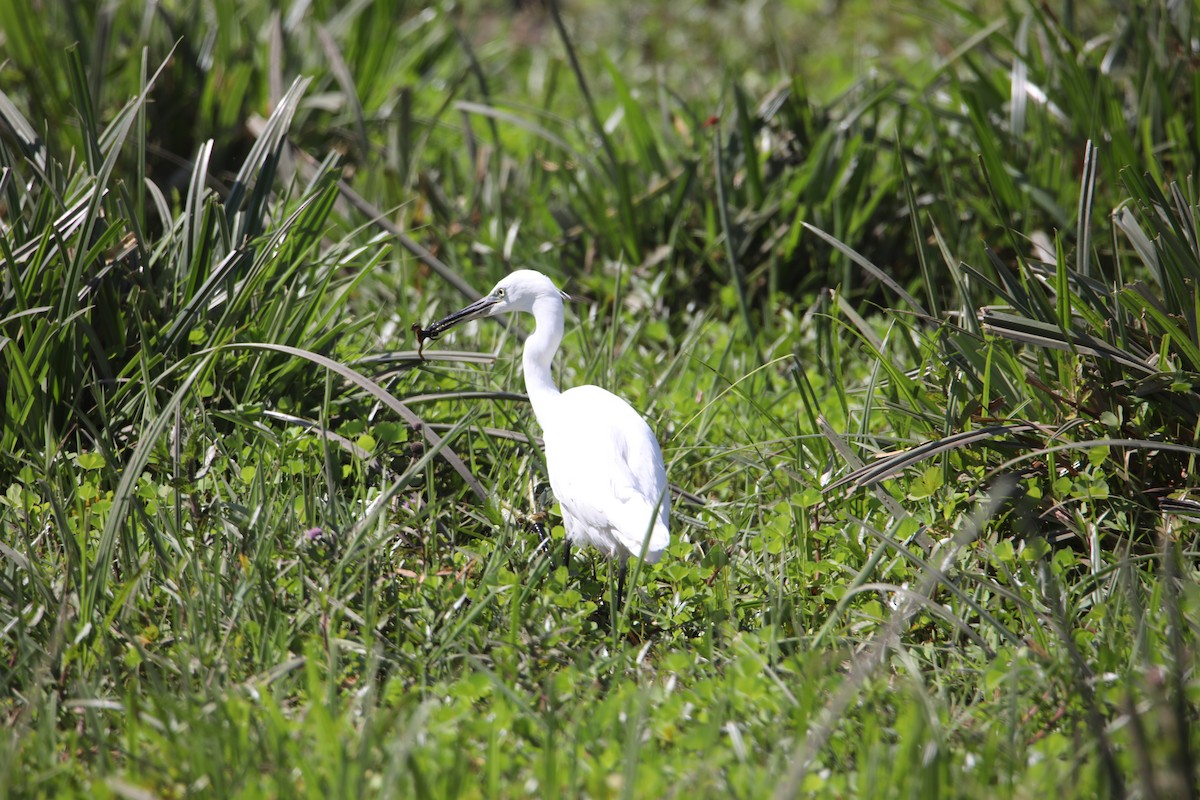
pixel 607 472
pixel 605 465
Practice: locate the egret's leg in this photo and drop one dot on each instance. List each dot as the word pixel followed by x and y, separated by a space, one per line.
pixel 621 581
pixel 567 554
pixel 539 530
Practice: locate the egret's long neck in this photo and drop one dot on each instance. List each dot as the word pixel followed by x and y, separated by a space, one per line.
pixel 540 348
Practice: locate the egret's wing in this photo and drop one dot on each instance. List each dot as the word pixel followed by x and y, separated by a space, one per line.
pixel 607 470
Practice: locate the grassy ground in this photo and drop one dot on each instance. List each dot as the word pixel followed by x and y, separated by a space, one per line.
pixel 915 320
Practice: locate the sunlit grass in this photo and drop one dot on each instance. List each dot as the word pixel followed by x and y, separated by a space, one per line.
pixel 922 353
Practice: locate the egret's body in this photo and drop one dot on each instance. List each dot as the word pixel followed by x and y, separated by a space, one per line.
pixel 607 473
pixel 605 465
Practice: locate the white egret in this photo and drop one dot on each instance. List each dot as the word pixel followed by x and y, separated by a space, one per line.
pixel 606 468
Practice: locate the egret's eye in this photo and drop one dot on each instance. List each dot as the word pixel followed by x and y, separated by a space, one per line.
pixel 499 293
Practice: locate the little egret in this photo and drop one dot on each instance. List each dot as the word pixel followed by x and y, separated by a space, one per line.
pixel 606 468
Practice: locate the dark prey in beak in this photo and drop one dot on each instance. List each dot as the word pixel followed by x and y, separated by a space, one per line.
pixel 422 335
pixel 480 308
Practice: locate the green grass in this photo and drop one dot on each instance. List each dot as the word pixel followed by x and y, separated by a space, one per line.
pixel 918 333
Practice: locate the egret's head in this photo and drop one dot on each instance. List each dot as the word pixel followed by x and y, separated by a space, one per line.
pixel 518 291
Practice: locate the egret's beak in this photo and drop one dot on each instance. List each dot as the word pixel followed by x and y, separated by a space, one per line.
pixel 480 308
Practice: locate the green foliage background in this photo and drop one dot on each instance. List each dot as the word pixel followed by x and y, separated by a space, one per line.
pixel 910 297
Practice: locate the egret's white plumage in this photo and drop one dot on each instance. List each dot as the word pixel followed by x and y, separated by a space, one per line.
pixel 605 465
